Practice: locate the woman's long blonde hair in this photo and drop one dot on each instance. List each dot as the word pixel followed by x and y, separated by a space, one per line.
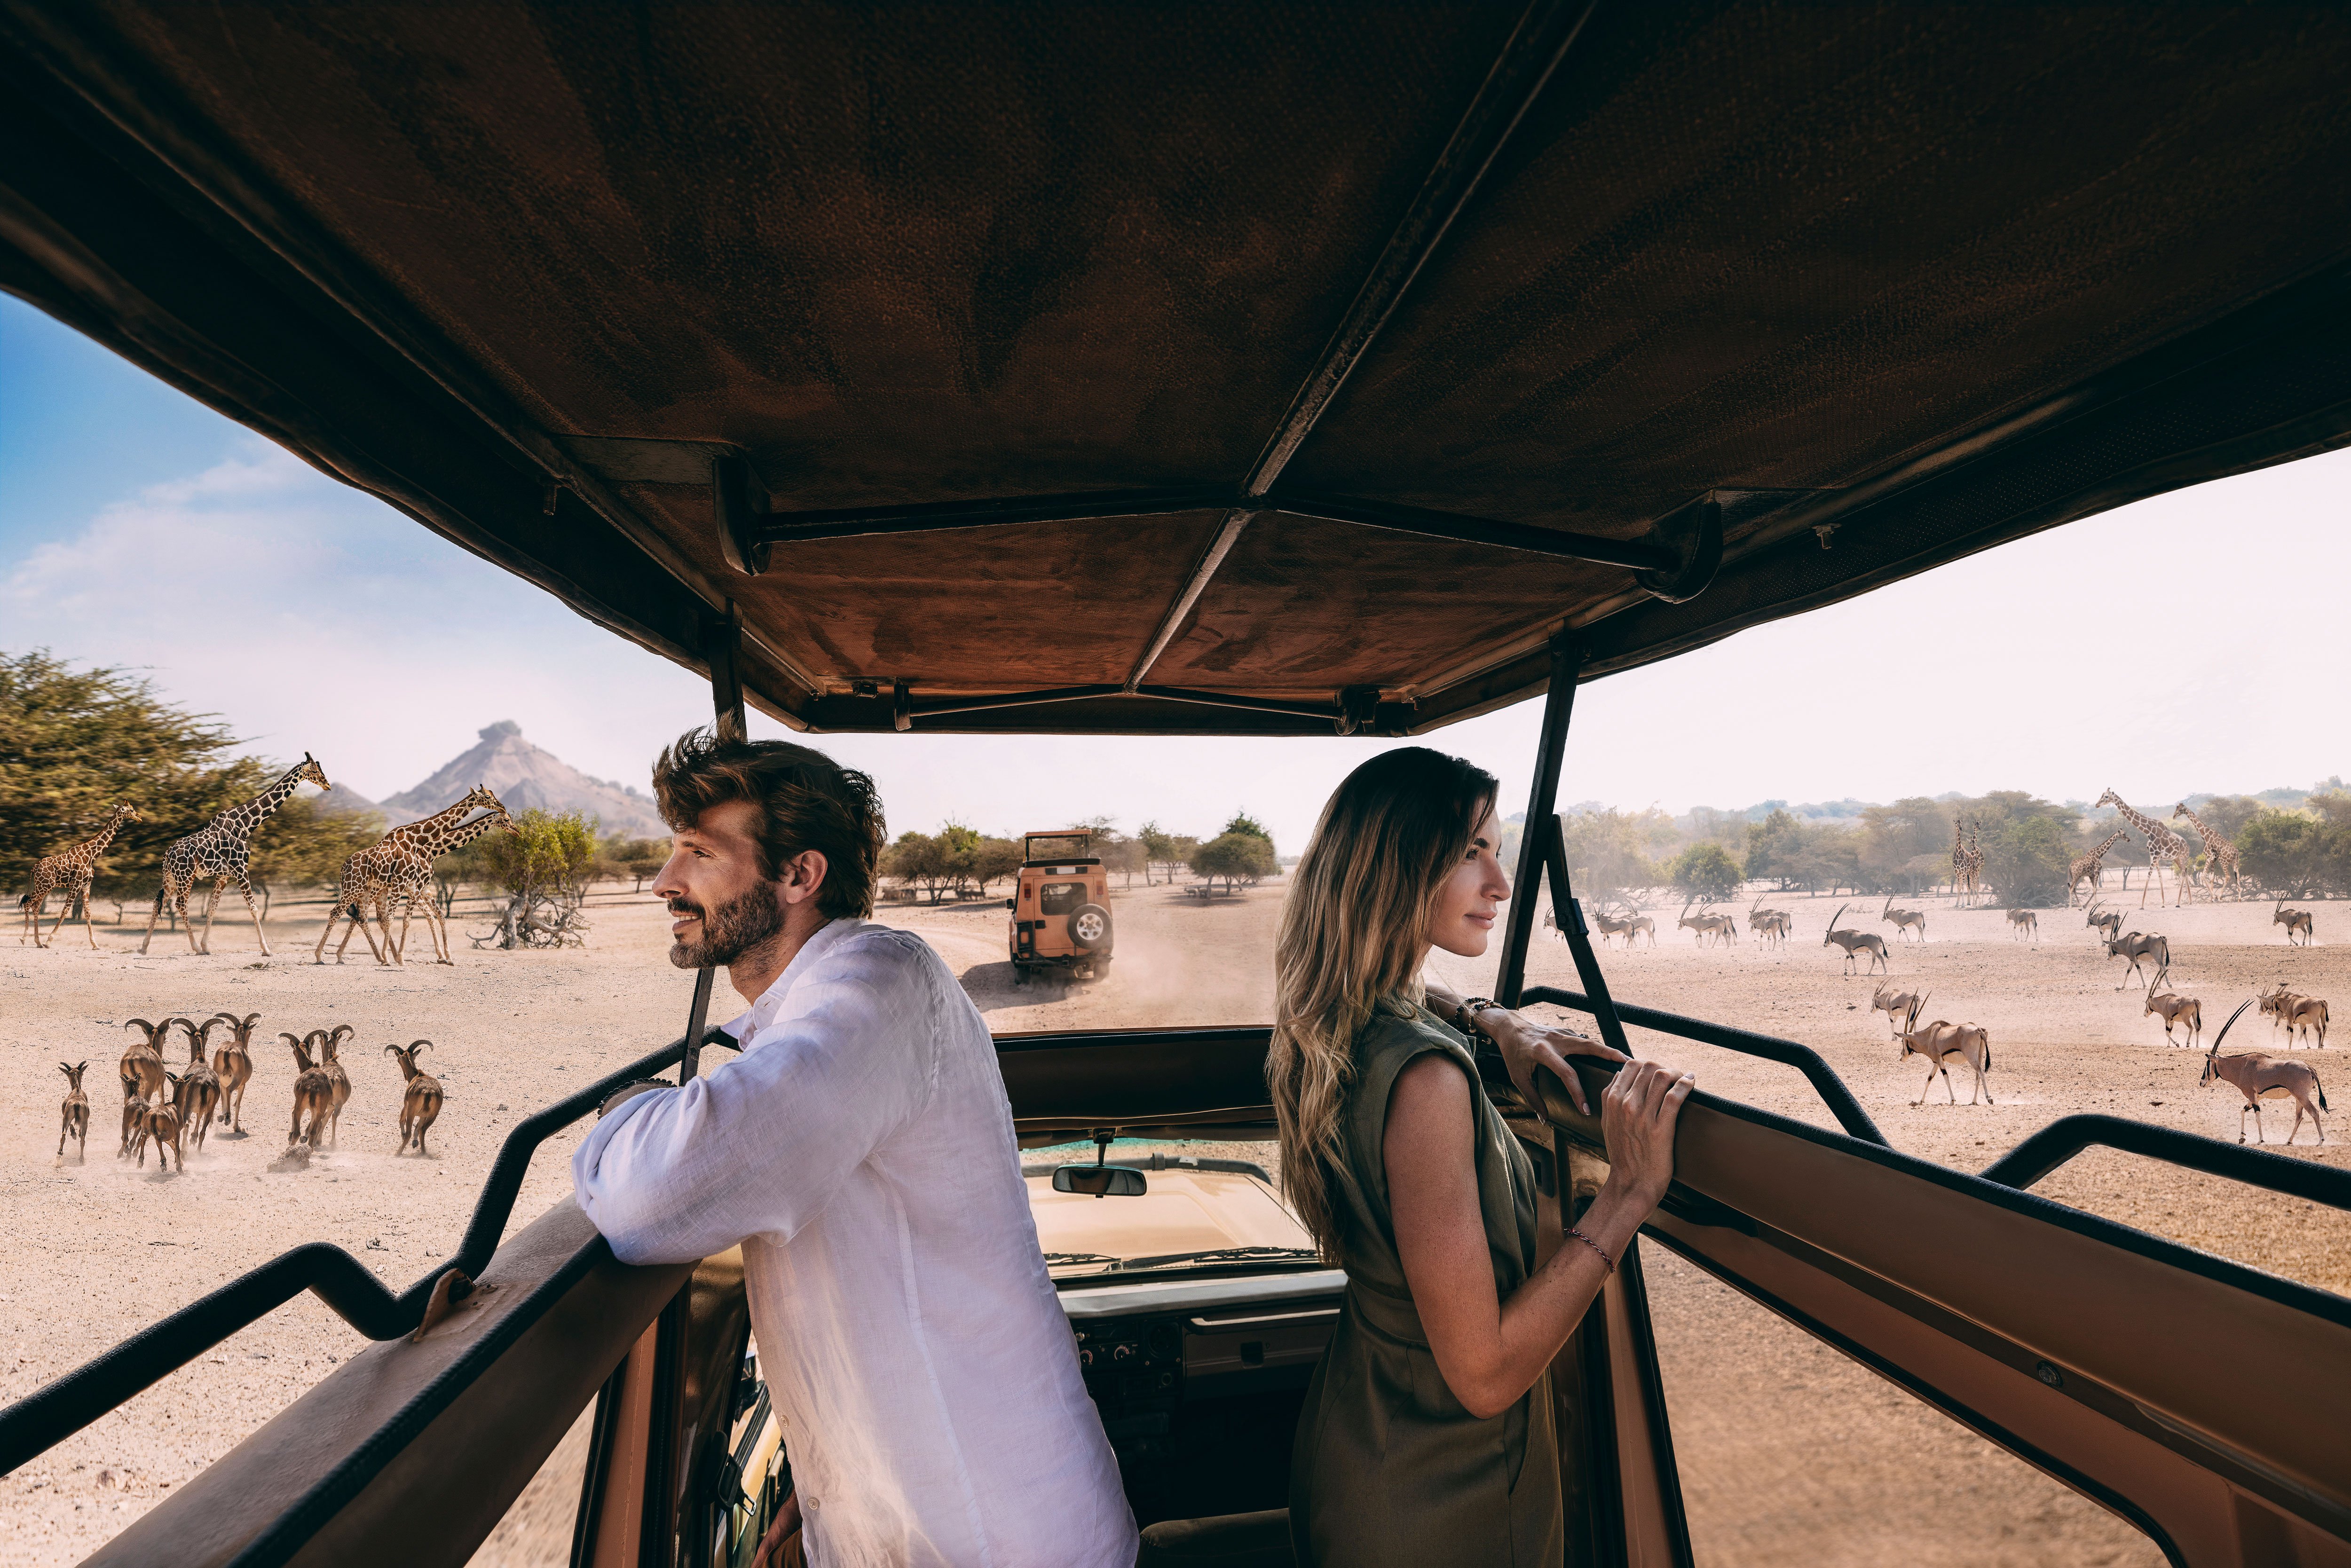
pixel 1354 934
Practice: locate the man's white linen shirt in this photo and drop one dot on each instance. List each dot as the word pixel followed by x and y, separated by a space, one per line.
pixel 860 1149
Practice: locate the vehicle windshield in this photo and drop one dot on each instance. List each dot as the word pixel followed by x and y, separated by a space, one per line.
pixel 1044 848
pixel 1206 1207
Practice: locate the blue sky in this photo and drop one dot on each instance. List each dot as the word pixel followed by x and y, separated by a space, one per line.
pixel 2141 649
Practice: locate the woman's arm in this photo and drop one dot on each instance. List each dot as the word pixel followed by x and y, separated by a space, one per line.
pixel 1489 1351
pixel 1525 1044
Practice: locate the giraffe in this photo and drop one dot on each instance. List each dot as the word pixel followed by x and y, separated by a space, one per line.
pixel 2220 855
pixel 1967 861
pixel 2090 868
pixel 379 874
pixel 418 893
pixel 220 850
pixel 2162 845
pixel 71 871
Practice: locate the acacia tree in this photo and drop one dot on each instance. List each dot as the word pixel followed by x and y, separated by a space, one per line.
pixel 637 859
pixel 1158 850
pixel 918 860
pixel 1235 857
pixel 75 742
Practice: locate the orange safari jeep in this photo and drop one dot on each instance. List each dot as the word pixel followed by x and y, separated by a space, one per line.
pixel 1060 913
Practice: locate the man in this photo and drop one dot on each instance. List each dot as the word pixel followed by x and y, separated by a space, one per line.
pixel 860 1149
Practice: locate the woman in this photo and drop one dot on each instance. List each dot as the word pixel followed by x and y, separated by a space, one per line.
pixel 1427 1435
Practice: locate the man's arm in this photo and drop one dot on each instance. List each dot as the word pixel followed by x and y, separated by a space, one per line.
pixel 758 1146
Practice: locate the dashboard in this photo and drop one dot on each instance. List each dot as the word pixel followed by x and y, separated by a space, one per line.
pixel 1160 1355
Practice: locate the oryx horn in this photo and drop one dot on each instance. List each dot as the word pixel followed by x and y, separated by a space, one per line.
pixel 2226 1027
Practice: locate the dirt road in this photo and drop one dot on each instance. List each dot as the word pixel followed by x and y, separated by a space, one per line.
pixel 1792 1454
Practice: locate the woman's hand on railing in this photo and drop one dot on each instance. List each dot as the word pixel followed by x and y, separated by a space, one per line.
pixel 1638 1111
pixel 1527 1044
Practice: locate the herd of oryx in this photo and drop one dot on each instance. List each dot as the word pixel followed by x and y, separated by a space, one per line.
pixel 1942 1044
pixel 173 1109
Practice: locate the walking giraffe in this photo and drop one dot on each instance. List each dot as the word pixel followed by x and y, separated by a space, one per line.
pixel 222 849
pixel 418 890
pixel 385 872
pixel 70 872
pixel 2090 868
pixel 1967 861
pixel 2219 854
pixel 2163 846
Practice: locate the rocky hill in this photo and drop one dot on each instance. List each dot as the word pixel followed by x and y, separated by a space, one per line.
pixel 524 777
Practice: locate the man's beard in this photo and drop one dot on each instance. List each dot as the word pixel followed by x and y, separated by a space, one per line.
pixel 729 931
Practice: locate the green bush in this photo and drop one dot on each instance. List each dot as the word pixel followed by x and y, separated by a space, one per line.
pixel 2026 859
pixel 1705 871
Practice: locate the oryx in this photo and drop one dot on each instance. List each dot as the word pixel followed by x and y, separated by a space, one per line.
pixel 2111 922
pixel 2023 924
pixel 1941 1041
pixel 1894 1004
pixel 2295 920
pixel 2257 1077
pixel 1904 920
pixel 1855 941
pixel 2173 1008
pixel 2138 946
pixel 2302 1015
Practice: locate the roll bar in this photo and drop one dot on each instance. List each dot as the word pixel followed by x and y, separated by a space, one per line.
pixel 2061 1140
pixel 1747 1043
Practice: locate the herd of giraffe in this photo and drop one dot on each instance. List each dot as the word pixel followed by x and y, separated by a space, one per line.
pixel 392 875
pixel 171 1111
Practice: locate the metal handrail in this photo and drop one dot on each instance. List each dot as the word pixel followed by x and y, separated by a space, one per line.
pixel 2061 1140
pixel 1747 1043
pixel 57 1410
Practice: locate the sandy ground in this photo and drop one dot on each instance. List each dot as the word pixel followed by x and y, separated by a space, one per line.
pixel 1790 1453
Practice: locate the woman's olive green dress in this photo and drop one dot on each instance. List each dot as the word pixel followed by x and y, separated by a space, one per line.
pixel 1388 1467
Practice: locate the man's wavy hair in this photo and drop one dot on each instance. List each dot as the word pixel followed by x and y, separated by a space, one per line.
pixel 806 800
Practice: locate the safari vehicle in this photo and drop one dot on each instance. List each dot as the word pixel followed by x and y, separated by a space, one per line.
pixel 1295 370
pixel 1060 911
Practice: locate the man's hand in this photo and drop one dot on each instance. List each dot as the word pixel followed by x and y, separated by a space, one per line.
pixel 1527 1044
pixel 780 1547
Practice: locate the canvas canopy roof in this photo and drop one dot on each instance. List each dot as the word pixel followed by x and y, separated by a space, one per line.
pixel 1254 368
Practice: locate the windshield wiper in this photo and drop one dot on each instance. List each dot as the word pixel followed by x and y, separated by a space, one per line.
pixel 1221 1255
pixel 1080 1258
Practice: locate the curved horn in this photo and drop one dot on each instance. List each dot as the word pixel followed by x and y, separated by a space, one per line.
pixel 416 1045
pixel 341 1031
pixel 144 1024
pixel 2230 1024
pixel 392 1050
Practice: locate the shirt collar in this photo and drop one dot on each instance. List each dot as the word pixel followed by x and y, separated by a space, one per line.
pixel 762 1011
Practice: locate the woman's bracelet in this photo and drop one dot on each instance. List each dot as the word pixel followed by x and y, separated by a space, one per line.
pixel 1605 1259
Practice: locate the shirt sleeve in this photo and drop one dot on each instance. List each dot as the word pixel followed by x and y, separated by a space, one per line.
pixel 759 1145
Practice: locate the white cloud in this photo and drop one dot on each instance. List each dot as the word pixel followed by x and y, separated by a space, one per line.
pixel 2168 647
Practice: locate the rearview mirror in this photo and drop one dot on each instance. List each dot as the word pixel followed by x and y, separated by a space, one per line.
pixel 1102 1181
pixel 1011 904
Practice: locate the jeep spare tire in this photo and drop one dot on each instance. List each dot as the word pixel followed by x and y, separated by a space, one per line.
pixel 1090 928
